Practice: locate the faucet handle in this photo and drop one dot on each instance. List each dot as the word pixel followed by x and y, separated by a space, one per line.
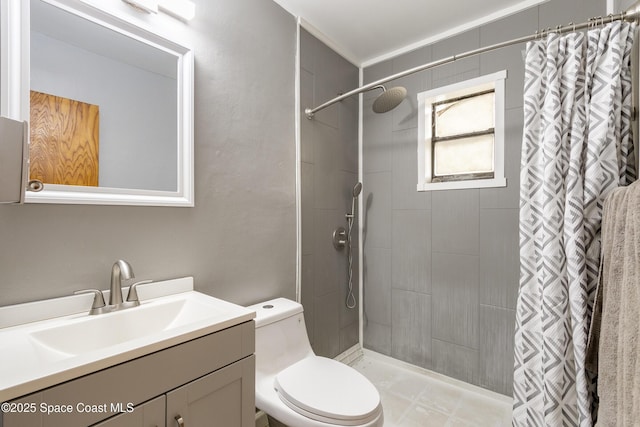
pixel 132 296
pixel 98 299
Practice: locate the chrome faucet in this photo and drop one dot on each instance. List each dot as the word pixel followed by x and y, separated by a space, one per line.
pixel 120 270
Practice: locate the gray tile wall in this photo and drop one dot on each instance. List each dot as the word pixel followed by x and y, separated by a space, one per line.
pixel 329 155
pixel 441 268
pixel 239 241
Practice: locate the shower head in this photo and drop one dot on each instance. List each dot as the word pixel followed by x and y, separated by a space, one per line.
pixel 389 99
pixel 357 189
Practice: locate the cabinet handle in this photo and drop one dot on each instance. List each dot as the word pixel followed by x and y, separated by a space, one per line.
pixel 179 421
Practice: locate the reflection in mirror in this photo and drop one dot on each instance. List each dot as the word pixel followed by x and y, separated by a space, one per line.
pixel 108 109
pixel 64 140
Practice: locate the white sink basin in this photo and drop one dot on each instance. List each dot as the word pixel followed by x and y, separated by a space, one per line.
pixel 90 333
pixel 41 352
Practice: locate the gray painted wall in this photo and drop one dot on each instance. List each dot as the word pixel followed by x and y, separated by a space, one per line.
pixel 239 240
pixel 441 268
pixel 329 170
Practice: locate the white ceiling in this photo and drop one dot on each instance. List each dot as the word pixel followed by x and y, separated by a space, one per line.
pixel 366 31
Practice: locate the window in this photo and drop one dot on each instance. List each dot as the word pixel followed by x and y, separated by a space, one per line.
pixel 461 135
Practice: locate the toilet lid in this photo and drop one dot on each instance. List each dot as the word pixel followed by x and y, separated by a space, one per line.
pixel 324 389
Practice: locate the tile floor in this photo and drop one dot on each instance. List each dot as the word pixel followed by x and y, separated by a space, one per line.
pixel 415 397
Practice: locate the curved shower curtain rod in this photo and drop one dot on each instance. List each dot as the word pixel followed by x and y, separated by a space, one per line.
pixel 633 16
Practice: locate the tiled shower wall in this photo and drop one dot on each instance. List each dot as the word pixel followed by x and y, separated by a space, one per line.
pixel 441 268
pixel 329 170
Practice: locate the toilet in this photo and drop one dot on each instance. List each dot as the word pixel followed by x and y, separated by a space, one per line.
pixel 300 389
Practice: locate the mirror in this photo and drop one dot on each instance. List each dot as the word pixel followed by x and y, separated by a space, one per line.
pixel 110 109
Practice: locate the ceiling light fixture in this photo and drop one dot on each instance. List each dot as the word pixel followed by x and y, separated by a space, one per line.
pixel 149 6
pixel 182 9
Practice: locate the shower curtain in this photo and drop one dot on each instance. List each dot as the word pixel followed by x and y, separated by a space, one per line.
pixel 577 146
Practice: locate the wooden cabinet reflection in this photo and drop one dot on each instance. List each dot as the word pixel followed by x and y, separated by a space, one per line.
pixel 64 144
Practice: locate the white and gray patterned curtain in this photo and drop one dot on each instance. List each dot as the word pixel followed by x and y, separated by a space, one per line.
pixel 577 146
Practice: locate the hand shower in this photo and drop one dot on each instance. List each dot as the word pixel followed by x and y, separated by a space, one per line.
pixel 351 299
pixel 356 192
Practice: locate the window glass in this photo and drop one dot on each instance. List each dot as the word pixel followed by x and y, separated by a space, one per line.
pixel 461 135
pixel 472 155
pixel 466 115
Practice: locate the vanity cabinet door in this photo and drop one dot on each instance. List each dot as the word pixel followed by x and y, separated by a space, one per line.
pixel 150 414
pixel 224 398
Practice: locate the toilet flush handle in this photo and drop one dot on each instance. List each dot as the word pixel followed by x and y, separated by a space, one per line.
pixel 179 421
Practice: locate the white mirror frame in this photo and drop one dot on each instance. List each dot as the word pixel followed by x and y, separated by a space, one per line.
pixel 15 78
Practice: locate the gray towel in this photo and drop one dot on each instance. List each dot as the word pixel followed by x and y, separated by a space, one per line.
pixel 614 339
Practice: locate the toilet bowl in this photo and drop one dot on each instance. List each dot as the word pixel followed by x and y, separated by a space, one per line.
pixel 300 389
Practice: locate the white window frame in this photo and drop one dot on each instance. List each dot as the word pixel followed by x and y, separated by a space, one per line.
pixel 425 150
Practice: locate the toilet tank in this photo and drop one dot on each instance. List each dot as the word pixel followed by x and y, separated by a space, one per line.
pixel 281 335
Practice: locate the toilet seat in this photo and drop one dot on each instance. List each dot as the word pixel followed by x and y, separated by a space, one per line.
pixel 329 391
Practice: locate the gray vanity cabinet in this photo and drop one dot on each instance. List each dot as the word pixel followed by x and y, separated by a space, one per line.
pixel 222 399
pixel 208 382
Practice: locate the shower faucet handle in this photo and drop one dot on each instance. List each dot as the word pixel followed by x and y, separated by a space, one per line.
pixel 339 238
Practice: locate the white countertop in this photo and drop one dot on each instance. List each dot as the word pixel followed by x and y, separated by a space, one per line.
pixel 27 365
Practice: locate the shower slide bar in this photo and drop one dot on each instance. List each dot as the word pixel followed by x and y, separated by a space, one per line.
pixel 593 22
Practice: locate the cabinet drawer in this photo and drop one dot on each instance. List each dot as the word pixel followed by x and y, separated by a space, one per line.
pixel 150 414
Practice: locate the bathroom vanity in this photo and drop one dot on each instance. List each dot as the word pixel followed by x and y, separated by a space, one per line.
pixel 193 370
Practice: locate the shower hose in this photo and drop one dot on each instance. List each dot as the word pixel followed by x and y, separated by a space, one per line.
pixel 351 299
